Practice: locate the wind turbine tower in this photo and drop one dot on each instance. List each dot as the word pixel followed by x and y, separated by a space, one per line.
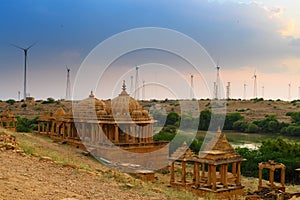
pixel 143 91
pixel 136 90
pixel 68 88
pixel 263 91
pixel 25 64
pixel 19 96
pixel 228 90
pixel 255 85
pixel 217 84
pixel 131 85
pixel 192 87
pixel 245 91
pixel 289 92
pixel 299 93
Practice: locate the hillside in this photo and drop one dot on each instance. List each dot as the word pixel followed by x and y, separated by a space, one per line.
pixel 49 170
pixel 250 109
pixel 38 168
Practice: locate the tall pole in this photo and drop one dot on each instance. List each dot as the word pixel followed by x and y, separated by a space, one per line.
pixel 245 91
pixel 299 93
pixel 136 91
pixel 25 65
pixel 289 92
pixel 25 69
pixel 192 87
pixel 228 91
pixel 263 91
pixel 68 88
pixel 218 83
pixel 143 91
pixel 255 87
pixel 131 85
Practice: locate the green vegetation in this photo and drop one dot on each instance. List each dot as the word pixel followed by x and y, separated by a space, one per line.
pixel 292 129
pixel 11 101
pixel 26 125
pixel 278 150
pixel 49 100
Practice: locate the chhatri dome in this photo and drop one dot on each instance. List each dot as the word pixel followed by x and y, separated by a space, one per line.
pixel 126 105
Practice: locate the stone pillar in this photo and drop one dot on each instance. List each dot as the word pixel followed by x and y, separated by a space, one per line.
pixel 203 169
pixel 209 175
pixel 82 130
pixel 197 174
pixel 52 128
pixel 214 177
pixel 272 170
pixel 233 170
pixel 221 172
pixel 127 133
pixel 225 170
pixel 68 130
pixel 116 133
pixel 63 130
pixel 183 173
pixel 92 133
pixel 238 178
pixel 133 127
pixel 47 127
pixel 172 180
pixel 140 134
pixel 39 128
pixel 282 177
pixel 259 176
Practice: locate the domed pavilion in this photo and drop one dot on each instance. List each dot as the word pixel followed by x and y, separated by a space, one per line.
pixel 120 122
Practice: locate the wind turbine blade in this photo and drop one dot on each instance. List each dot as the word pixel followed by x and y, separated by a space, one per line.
pixel 17 46
pixel 31 45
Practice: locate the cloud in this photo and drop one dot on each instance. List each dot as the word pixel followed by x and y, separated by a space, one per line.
pixel 295 42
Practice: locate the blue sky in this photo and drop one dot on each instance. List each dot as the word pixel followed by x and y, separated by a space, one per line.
pixel 242 36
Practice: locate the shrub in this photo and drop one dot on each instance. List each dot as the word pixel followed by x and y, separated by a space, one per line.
pixel 240 126
pixel 26 125
pixel 11 101
pixel 49 100
pixel 252 128
pixel 230 119
pixel 204 120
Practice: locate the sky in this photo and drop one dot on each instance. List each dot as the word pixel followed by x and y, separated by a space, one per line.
pixel 243 37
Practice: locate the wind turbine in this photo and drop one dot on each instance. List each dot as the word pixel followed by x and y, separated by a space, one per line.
pixel 255 84
pixel 245 85
pixel 25 63
pixel 68 88
pixel 217 85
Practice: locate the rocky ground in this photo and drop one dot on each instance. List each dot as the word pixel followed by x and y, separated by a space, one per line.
pixel 34 167
pixel 56 171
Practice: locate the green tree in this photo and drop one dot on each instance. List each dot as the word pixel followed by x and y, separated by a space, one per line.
pixel 204 120
pixel 230 119
pixel 240 126
pixel 11 101
pixel 173 118
pixel 252 128
pixel 26 125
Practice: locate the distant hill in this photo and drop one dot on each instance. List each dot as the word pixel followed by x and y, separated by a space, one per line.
pixel 250 109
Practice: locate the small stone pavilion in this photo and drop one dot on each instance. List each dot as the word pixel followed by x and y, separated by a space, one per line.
pixel 215 171
pixel 8 120
pixel 272 166
pixel 106 127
